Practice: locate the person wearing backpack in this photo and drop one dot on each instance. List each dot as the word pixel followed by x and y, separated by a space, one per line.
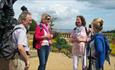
pixel 42 40
pixel 78 40
pixel 20 37
pixel 21 59
pixel 97 46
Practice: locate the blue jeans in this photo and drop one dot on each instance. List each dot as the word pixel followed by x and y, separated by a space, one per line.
pixel 43 54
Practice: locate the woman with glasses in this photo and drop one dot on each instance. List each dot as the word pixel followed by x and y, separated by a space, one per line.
pixel 43 38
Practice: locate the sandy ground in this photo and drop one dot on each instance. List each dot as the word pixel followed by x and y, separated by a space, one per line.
pixel 58 61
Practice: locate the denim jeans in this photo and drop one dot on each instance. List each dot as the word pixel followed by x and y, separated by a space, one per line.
pixel 43 54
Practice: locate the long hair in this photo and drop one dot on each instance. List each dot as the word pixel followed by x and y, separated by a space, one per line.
pixel 82 19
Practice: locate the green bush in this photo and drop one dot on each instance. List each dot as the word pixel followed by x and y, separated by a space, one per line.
pixel 61 45
pixel 61 42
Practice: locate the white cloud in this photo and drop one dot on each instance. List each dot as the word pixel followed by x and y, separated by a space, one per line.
pixel 105 4
pixel 67 10
pixel 58 8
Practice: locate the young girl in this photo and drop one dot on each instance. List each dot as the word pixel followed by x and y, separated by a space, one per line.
pixel 78 39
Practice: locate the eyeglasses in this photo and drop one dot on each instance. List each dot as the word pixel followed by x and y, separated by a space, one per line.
pixel 48 18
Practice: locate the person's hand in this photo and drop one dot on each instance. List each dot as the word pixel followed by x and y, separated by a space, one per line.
pixel 73 37
pixel 27 64
pixel 72 40
pixel 49 36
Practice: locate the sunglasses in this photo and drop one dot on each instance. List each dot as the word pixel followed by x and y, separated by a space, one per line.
pixel 48 18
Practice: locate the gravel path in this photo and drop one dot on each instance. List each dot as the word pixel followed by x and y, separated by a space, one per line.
pixel 58 61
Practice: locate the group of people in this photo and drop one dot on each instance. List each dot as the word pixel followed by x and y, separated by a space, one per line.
pixel 43 36
pixel 88 42
pixel 80 38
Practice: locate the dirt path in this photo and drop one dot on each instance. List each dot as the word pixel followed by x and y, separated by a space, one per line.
pixel 58 61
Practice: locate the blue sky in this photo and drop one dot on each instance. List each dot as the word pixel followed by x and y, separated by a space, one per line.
pixel 66 11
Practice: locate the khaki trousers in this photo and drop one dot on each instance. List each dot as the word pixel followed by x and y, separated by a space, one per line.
pixel 12 64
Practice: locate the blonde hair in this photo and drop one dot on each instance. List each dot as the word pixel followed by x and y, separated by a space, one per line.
pixel 98 24
pixel 45 16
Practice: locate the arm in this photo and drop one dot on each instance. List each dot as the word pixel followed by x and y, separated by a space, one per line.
pixel 72 37
pixel 81 39
pixel 39 35
pixel 23 54
pixel 21 41
pixel 72 40
pixel 98 45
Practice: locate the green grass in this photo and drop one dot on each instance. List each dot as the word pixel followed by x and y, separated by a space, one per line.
pixel 113 49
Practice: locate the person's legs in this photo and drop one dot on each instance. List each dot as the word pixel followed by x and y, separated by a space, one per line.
pixel 12 64
pixel 17 63
pixel 47 54
pixel 84 61
pixel 41 55
pixel 75 62
pixel 93 66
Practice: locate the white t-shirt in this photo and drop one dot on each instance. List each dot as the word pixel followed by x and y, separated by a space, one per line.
pixel 20 36
pixel 45 42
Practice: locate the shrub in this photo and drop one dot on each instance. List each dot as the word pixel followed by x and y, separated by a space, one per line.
pixel 61 42
pixel 61 45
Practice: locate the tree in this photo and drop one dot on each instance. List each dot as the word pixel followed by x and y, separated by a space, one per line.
pixel 53 20
pixel 33 25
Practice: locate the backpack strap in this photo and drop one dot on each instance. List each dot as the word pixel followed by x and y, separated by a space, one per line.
pixel 41 27
pixel 86 31
pixel 11 32
pixel 16 29
pixel 75 28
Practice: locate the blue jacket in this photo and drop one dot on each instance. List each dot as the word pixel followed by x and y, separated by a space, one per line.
pixel 100 49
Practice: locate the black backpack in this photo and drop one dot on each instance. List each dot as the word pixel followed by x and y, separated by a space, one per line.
pixel 8 47
pixel 7 23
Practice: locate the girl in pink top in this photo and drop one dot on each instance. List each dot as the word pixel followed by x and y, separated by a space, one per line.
pixel 78 40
